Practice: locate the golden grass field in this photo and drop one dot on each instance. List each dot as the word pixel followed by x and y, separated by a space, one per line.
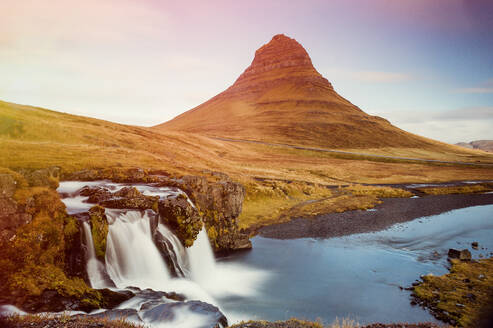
pixel 32 137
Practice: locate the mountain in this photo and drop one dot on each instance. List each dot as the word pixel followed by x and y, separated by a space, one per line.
pixel 486 145
pixel 282 98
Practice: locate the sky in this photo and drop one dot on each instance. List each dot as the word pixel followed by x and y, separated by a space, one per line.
pixel 425 65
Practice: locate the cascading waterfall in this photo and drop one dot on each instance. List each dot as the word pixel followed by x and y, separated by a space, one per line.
pixel 202 263
pixel 132 258
pixel 143 253
pixel 94 267
pixel 176 251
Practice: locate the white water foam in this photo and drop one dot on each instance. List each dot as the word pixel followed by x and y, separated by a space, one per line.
pixel 95 268
pixel 132 258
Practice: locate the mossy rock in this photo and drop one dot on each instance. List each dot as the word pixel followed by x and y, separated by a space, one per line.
pixel 99 230
pixel 182 218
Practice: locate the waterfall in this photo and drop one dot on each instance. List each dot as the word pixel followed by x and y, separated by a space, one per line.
pixel 202 262
pixel 144 253
pixel 94 267
pixel 132 258
pixel 176 252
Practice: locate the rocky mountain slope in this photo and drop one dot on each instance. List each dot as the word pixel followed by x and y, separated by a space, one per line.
pixel 282 98
pixel 486 145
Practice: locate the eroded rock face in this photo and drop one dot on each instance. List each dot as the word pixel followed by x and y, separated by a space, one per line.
pixel 220 204
pixel 181 217
pixel 99 230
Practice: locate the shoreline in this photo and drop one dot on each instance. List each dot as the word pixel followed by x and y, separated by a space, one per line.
pixel 384 215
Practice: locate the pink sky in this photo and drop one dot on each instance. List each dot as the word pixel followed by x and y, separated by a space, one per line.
pixel 144 62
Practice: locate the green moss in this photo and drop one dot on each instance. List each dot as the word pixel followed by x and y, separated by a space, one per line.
pixel 71 229
pixel 99 230
pixel 462 295
pixel 33 262
pixel 155 207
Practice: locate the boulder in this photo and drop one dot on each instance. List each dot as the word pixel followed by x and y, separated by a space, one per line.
pixel 131 198
pixel 209 315
pixel 181 217
pixel 220 204
pixel 96 195
pixel 463 255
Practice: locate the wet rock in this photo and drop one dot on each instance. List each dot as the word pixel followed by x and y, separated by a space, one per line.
pixel 181 217
pixel 99 230
pixel 96 195
pixel 112 299
pixel 131 198
pixel 475 245
pixel 167 251
pixel 76 254
pixel 211 316
pixel 220 204
pixel 463 255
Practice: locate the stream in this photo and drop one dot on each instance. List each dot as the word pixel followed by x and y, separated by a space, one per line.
pixel 360 276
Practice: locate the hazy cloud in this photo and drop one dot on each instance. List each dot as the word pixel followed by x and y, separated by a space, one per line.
pixel 452 126
pixel 381 77
pixel 472 113
pixel 485 87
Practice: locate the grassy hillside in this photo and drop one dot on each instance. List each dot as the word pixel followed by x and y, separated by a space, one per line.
pixel 277 179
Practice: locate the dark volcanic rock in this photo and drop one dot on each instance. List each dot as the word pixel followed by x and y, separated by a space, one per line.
pixel 167 251
pixel 112 299
pixel 463 255
pixel 131 198
pixel 181 217
pixel 211 316
pixel 96 195
pixel 220 204
pixel 76 255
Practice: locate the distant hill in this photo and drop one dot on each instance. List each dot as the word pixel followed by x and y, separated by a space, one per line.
pixel 282 98
pixel 486 145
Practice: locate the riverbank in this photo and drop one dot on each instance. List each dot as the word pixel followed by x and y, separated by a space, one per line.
pixel 384 215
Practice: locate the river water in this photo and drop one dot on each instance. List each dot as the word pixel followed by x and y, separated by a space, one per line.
pixel 358 276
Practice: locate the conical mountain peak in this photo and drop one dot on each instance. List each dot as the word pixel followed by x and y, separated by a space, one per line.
pixel 280 53
pixel 282 98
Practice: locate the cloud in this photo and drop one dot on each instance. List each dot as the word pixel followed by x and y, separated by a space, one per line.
pixel 472 113
pixel 452 126
pixel 475 90
pixel 381 77
pixel 485 87
pixel 369 76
